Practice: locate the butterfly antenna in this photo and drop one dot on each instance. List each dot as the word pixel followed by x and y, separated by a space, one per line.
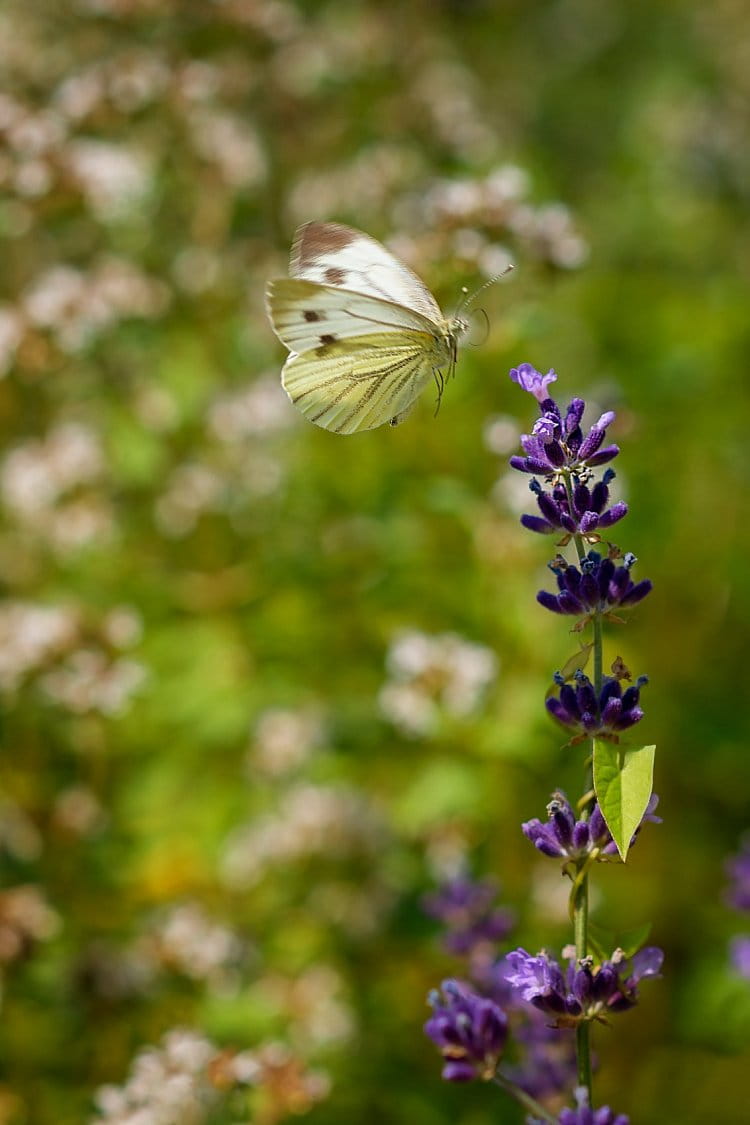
pixel 486 327
pixel 467 301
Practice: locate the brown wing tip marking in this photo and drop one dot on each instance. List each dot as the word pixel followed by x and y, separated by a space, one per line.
pixel 317 239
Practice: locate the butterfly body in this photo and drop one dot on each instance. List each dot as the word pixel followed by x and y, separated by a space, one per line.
pixel 365 336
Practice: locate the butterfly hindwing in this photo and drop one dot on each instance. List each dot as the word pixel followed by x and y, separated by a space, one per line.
pixel 358 385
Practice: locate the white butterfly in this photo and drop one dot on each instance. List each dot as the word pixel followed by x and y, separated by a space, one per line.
pixel 365 335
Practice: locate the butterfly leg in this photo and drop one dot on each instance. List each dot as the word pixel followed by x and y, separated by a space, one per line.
pixel 440 384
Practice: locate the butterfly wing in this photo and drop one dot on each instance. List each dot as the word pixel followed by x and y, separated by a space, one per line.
pixel 359 383
pixel 332 254
pixel 357 361
pixel 305 314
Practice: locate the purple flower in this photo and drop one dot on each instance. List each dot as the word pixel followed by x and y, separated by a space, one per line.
pixel 548 1059
pixel 566 838
pixel 531 380
pixel 584 1115
pixel 738 869
pixel 586 515
pixel 469 1030
pixel 557 443
pixel 739 955
pixel 598 587
pixel 466 909
pixel 602 715
pixel 582 991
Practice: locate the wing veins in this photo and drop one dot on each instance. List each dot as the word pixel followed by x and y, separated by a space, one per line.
pixel 352 380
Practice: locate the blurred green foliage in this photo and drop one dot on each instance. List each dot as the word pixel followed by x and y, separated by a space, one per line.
pixel 208 820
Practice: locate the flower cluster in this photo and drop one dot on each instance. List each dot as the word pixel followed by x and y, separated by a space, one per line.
pixel 469 1030
pixel 591 714
pixel 599 586
pixel 582 511
pixel 557 443
pixel 565 837
pixel 582 991
pixel 431 676
pixel 584 1115
pixel 188 1078
pixel 466 909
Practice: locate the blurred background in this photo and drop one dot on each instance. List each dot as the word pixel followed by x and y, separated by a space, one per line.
pixel 264 686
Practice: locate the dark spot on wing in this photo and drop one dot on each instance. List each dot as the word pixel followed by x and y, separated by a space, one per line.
pixel 328 338
pixel 309 315
pixel 335 276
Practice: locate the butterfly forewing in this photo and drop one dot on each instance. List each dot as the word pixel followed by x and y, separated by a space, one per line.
pixel 305 314
pixel 332 254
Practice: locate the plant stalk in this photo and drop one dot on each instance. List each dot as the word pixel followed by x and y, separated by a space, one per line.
pixel 581 895
pixel 530 1104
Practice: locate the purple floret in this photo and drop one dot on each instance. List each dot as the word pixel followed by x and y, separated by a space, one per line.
pixel 469 1030
pixel 531 380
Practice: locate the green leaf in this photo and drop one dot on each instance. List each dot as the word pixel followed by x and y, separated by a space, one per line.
pixel 623 779
pixel 577 661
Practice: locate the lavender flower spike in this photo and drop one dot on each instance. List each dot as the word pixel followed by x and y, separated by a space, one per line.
pixel 589 715
pixel 470 1031
pixel 531 380
pixel 566 838
pixel 598 587
pixel 467 909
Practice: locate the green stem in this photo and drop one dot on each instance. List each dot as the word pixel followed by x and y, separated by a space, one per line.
pixel 583 1055
pixel 598 677
pixel 525 1099
pixel 580 928
pixel 581 891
